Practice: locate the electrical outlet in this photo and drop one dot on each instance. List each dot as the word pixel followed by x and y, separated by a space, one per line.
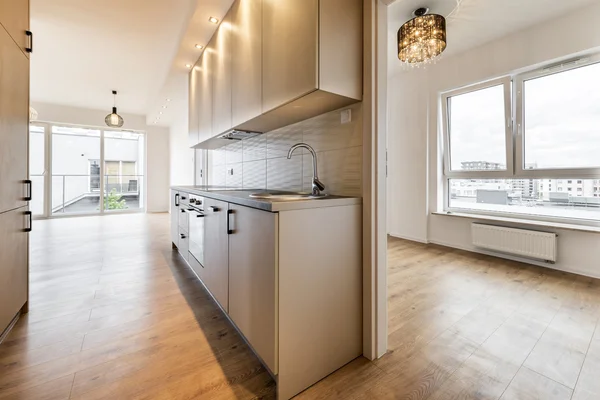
pixel 230 171
pixel 346 116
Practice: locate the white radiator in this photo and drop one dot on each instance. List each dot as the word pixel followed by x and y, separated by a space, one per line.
pixel 520 242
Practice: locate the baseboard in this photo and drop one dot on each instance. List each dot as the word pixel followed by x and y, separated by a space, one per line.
pixel 515 258
pixel 412 239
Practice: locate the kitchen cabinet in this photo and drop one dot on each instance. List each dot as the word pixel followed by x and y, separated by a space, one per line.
pixel 14 16
pixel 216 250
pixel 175 218
pixel 246 60
pixel 184 242
pixel 13 264
pixel 289 277
pixel 273 63
pixel 14 123
pixel 221 72
pixel 194 106
pixel 253 279
pixel 205 95
pixel 290 50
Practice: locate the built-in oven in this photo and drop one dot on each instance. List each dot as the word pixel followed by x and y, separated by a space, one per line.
pixel 195 212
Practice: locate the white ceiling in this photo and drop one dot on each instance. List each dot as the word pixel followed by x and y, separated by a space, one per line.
pixel 86 48
pixel 476 22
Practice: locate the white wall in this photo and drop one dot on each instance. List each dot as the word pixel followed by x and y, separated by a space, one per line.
pixel 415 151
pixel 157 145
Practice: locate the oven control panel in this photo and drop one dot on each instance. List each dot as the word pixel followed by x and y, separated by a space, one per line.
pixel 196 201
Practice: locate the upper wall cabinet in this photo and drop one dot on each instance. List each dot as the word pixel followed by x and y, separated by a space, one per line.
pixel 205 96
pixel 278 62
pixel 246 60
pixel 221 71
pixel 14 16
pixel 290 50
pixel 194 89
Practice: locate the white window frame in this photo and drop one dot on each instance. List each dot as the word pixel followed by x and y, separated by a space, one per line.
pixel 519 80
pixel 515 141
pixel 448 172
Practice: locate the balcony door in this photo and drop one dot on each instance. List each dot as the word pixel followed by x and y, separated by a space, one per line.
pixel 79 170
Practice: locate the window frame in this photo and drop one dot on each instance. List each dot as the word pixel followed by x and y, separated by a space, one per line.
pixel 515 142
pixel 446 110
pixel 519 134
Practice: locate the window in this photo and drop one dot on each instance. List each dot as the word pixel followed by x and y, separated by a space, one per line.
pixel 510 144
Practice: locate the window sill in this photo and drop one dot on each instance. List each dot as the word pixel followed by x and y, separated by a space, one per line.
pixel 522 221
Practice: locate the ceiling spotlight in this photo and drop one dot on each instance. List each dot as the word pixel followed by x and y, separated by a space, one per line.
pixel 213 20
pixel 199 46
pixel 168 99
pixel 160 112
pixel 164 106
pixel 188 65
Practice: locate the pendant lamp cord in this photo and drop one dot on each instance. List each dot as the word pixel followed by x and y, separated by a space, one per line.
pixel 455 10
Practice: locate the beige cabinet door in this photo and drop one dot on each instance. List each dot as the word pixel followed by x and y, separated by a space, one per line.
pixel 13 264
pixel 175 217
pixel 221 68
pixel 253 278
pixel 193 106
pixel 216 250
pixel 14 16
pixel 14 123
pixel 290 50
pixel 246 60
pixel 205 96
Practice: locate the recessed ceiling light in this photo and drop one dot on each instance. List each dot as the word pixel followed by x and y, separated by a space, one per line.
pixel 213 20
pixel 168 99
pixel 160 112
pixel 188 65
pixel 199 46
pixel 164 107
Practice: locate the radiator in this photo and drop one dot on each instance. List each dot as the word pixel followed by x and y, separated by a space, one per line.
pixel 520 242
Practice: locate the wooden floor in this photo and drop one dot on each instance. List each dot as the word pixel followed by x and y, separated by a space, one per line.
pixel 115 314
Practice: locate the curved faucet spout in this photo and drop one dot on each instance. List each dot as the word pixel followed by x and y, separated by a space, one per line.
pixel 317 185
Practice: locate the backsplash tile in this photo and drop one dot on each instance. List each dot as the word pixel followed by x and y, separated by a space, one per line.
pixel 261 162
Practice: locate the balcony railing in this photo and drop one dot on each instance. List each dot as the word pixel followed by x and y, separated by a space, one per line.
pixel 81 193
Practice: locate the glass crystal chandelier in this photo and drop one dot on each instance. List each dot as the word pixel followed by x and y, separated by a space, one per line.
pixel 422 39
pixel 113 119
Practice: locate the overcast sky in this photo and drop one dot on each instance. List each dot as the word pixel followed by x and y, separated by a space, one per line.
pixel 562 122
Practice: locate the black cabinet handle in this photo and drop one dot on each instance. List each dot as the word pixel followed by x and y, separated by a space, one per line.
pixel 183 210
pixel 214 209
pixel 183 197
pixel 29 49
pixel 176 199
pixel 229 230
pixel 29 190
pixel 199 215
pixel 30 226
pixel 182 235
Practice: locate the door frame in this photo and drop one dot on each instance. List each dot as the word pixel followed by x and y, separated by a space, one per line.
pixel 375 333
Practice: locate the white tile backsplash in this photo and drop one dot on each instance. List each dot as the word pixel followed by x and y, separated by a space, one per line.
pixel 261 162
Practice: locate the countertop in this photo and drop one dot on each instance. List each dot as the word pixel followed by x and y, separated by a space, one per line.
pixel 242 197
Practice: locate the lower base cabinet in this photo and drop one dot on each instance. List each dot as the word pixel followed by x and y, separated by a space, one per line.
pixel 291 282
pixel 13 264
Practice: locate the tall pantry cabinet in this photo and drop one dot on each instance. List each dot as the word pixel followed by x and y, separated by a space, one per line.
pixel 15 188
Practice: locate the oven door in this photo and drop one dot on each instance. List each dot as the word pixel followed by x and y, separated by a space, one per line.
pixel 196 232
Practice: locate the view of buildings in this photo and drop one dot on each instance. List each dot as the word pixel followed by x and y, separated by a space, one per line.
pixel 576 198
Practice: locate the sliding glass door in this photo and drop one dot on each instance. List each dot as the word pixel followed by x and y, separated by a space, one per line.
pixel 92 170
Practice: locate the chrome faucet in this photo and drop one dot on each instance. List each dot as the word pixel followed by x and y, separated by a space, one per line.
pixel 317 185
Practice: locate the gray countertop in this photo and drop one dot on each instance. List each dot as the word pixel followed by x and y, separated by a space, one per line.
pixel 242 197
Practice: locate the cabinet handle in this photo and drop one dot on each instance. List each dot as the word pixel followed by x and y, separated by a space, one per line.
pixel 183 210
pixel 198 215
pixel 30 226
pixel 229 230
pixel 182 235
pixel 29 190
pixel 183 197
pixel 214 209
pixel 29 49
pixel 176 199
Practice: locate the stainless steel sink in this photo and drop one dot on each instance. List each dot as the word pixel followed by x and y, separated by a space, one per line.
pixel 285 196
